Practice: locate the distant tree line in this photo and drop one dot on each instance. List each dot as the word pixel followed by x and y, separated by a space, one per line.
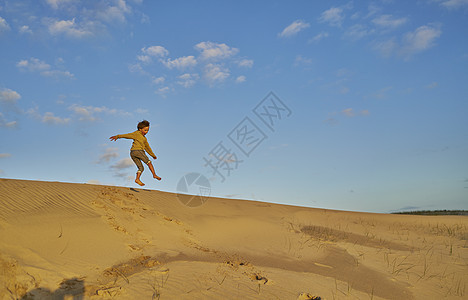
pixel 434 212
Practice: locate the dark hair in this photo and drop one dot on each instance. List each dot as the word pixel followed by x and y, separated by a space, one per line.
pixel 143 124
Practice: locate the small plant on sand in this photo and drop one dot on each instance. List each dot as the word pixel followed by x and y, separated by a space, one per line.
pixel 158 283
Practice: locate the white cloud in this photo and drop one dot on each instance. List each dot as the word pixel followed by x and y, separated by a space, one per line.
pixel 109 154
pixel 373 9
pixel 317 38
pixel 432 85
pixel 115 12
pixel 145 19
pixel 33 65
pixel 453 4
pixel 333 16
pixel 412 43
pixel 208 65
pixel 124 163
pixel 141 111
pixel 357 32
pixel 70 28
pixel 25 30
pixel 382 93
pixel 144 58
pixel 387 21
pixel 302 61
pixel 180 63
pixel 215 51
pixel 240 79
pixel 7 124
pixel 5 155
pixel 152 51
pixel 355 16
pixel 4 27
pixel 349 112
pixel 8 99
pixel 8 96
pixel 90 113
pixel 85 113
pixel 83 19
pixel 37 65
pixel 107 11
pixel 158 80
pixel 156 51
pixel 163 91
pixel 56 3
pixel 331 120
pixel 58 74
pixel 294 28
pixel 386 48
pixel 419 40
pixel 48 117
pixel 247 63
pixel 78 19
pixel 188 80
pixel 137 68
pixel 214 73
pixel 59 61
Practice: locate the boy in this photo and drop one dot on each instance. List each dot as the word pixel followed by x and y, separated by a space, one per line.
pixel 139 146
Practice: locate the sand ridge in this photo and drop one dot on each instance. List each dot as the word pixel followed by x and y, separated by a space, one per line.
pixel 101 242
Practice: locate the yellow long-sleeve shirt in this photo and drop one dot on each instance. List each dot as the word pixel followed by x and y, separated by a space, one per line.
pixel 139 141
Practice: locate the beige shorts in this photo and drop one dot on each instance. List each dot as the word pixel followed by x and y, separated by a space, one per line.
pixel 138 156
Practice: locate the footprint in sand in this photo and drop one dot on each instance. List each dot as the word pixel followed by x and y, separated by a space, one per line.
pixel 307 296
pixel 124 212
pixel 119 208
pixel 259 278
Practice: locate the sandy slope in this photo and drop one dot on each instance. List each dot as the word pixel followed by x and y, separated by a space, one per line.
pixel 99 242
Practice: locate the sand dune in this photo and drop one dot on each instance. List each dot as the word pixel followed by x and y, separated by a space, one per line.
pixel 79 241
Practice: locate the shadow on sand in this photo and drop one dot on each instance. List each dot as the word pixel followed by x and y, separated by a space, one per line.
pixel 73 288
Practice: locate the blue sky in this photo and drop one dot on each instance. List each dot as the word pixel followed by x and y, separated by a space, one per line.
pixel 370 96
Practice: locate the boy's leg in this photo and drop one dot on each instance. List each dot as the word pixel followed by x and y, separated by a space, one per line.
pixel 138 156
pixel 137 161
pixel 150 166
pixel 137 180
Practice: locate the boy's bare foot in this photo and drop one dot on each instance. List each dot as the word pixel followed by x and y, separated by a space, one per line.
pixel 138 181
pixel 157 177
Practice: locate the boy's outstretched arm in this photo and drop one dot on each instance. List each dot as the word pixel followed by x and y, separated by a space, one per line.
pixel 113 138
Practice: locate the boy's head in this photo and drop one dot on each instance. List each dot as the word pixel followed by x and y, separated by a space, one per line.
pixel 143 124
pixel 143 127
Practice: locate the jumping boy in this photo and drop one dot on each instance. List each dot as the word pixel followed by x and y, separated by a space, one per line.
pixel 139 146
